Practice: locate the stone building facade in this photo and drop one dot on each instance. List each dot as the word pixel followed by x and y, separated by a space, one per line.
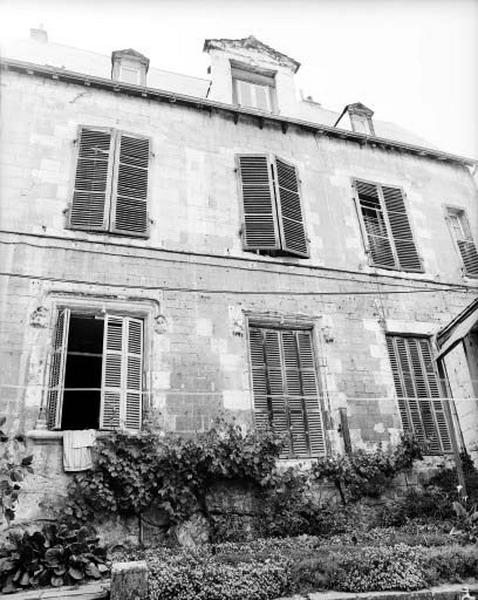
pixel 176 249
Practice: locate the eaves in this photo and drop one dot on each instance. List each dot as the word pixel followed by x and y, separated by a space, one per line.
pixel 236 111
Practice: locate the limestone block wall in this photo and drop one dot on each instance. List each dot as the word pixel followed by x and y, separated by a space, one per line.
pixel 191 281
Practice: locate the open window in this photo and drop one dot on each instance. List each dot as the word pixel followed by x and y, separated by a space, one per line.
pixel 386 227
pixel 463 238
pixel 272 206
pixel 96 372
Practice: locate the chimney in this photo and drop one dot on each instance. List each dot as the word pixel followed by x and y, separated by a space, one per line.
pixel 39 34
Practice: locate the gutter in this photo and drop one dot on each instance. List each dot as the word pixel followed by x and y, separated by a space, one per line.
pixel 236 111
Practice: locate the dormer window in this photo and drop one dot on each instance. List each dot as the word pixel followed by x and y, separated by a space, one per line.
pixel 253 89
pixel 129 66
pixel 129 74
pixel 360 118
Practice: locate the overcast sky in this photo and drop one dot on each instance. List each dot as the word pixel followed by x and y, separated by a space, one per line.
pixel 414 62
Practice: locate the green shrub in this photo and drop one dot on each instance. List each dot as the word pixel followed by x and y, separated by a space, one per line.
pixel 58 555
pixel 199 576
pixel 449 565
pixel 379 568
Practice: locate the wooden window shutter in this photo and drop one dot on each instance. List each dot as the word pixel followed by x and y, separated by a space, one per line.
pixel 416 384
pixel 57 370
pixel 285 389
pixel 90 206
pixel 292 227
pixel 374 225
pixel 112 375
pixel 129 211
pixel 134 373
pixel 461 231
pixel 404 243
pixel 310 392
pixel 260 219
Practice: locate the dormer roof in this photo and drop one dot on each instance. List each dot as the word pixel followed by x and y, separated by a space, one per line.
pixel 252 43
pixel 130 53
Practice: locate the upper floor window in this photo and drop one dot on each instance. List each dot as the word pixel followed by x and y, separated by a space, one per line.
pixel 111 182
pixel 418 390
pixel 96 372
pixel 253 90
pixel 386 228
pixel 272 208
pixel 461 232
pixel 129 66
pixel 286 392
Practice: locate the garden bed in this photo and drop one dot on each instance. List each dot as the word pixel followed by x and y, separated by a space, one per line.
pixel 266 569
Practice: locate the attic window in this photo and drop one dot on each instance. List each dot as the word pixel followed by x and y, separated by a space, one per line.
pixel 253 89
pixel 129 66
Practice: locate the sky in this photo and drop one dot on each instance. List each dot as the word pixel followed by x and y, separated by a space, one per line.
pixel 414 62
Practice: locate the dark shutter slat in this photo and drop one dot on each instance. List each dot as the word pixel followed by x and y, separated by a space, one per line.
pixel 401 231
pixel 379 244
pixel 57 370
pixel 88 210
pixel 293 230
pixel 260 227
pixel 418 391
pixel 131 191
pixel 469 256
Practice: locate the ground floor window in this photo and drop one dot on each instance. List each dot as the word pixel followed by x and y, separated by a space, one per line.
pixel 96 372
pixel 285 387
pixel 418 390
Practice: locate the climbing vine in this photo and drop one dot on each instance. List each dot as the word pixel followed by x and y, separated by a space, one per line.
pixel 362 473
pixel 133 471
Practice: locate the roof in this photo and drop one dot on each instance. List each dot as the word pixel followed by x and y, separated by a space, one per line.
pixel 130 53
pixel 252 43
pixel 203 103
pixel 59 57
pixel 448 337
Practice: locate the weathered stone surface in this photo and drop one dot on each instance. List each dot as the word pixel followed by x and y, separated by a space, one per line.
pixel 194 532
pixel 129 581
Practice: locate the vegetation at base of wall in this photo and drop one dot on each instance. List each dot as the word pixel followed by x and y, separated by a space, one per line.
pixel 13 467
pixel 269 568
pixel 134 471
pixel 362 473
pixel 55 556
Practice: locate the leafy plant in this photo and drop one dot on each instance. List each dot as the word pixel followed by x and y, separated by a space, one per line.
pixel 361 473
pixel 467 519
pixel 57 555
pixel 13 467
pixel 132 471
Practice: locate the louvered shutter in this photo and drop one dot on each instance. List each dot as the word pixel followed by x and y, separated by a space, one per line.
pixel 131 186
pixel 401 231
pixel 57 370
pixel 462 233
pixel 134 373
pixel 89 209
pixel 112 376
pixel 291 218
pixel 285 389
pixel 416 384
pixel 310 392
pixel 374 225
pixel 260 220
